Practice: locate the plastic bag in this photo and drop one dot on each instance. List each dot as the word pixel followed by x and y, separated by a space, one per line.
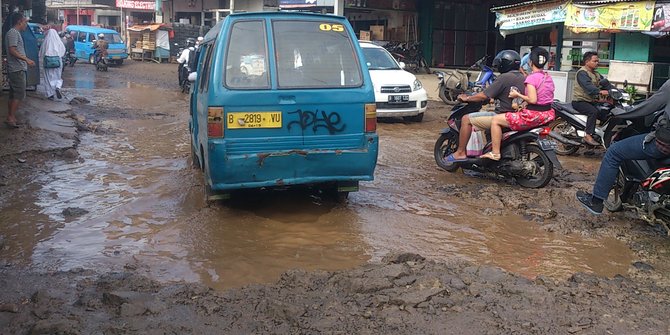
pixel 476 143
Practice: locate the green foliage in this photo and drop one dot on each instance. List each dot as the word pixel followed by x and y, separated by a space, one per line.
pixel 632 92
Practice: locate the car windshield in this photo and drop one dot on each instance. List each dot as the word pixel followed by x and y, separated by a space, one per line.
pixel 379 59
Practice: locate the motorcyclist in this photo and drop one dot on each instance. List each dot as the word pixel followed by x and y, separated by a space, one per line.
pixel 100 48
pixel 653 145
pixel 184 58
pixel 507 62
pixel 586 92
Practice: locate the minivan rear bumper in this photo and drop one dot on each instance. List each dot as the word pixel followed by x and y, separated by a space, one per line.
pixel 290 167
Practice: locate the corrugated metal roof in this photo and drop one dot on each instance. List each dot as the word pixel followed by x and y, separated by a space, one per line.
pixel 598 2
pixel 520 4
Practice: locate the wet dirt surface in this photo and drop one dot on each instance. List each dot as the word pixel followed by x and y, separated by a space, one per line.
pixel 118 232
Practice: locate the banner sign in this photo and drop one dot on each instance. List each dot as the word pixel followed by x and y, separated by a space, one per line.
pixel 661 19
pixel 136 4
pixel 522 17
pixel 624 16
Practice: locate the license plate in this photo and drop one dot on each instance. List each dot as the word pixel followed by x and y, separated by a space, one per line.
pixel 253 120
pixel 547 144
pixel 397 99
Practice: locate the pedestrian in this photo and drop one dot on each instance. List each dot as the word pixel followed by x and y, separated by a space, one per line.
pixel 17 66
pixel 51 67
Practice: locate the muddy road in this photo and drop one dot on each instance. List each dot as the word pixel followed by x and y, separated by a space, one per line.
pixel 113 236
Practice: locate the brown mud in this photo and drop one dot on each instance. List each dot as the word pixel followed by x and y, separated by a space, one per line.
pixel 103 230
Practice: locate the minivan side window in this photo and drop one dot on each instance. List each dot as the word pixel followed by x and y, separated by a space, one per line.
pixel 315 54
pixel 81 37
pixel 205 67
pixel 247 57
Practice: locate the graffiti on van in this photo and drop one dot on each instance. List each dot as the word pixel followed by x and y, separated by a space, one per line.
pixel 318 119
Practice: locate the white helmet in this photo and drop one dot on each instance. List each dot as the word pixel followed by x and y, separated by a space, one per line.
pixel 101 35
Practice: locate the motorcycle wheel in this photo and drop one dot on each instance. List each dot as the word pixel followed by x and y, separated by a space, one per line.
pixel 450 97
pixel 613 203
pixel 544 168
pixel 564 128
pixel 445 146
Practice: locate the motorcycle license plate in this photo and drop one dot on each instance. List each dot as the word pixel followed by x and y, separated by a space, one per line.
pixel 547 144
pixel 398 99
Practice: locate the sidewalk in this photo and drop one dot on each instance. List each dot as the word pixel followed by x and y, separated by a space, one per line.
pixel 46 126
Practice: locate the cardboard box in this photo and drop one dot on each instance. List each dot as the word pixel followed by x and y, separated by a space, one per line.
pixel 377 33
pixel 364 35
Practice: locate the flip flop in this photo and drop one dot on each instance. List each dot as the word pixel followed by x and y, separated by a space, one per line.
pixel 452 159
pixel 11 124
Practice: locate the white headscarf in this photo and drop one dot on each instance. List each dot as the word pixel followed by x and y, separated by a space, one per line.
pixel 52 45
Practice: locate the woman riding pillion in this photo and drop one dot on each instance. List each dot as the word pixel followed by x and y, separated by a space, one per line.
pixel 539 96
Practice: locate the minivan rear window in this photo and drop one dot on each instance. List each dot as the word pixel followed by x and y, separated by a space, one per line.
pixel 315 54
pixel 246 61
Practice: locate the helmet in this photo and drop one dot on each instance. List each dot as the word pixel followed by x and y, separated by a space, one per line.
pixel 101 35
pixel 659 181
pixel 507 60
pixel 190 42
pixel 539 57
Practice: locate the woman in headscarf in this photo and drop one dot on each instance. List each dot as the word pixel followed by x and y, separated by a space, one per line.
pixel 51 76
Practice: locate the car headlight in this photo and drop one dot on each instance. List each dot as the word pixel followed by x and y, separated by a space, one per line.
pixel 417 85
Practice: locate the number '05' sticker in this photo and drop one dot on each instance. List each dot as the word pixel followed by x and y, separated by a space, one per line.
pixel 331 27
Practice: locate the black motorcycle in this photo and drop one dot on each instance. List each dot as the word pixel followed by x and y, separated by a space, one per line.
pixel 69 59
pixel 528 156
pixel 642 185
pixel 571 124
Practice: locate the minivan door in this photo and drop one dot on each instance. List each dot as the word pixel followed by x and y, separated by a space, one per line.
pixel 314 97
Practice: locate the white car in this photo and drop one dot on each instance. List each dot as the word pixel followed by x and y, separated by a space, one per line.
pixel 397 92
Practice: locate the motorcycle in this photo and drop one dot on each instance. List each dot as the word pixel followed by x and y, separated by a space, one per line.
pixel 528 156
pixel 183 71
pixel 571 124
pixel 411 55
pixel 642 186
pixel 69 59
pixel 456 82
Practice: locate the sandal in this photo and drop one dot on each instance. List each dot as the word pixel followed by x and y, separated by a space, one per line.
pixel 451 159
pixel 490 155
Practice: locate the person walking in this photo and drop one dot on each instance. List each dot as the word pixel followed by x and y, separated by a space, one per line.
pixel 17 66
pixel 52 50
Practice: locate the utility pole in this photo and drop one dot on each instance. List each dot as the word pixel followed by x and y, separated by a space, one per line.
pixel 77 11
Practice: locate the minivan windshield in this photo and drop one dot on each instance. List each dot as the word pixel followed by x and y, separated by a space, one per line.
pixel 315 54
pixel 379 59
pixel 112 38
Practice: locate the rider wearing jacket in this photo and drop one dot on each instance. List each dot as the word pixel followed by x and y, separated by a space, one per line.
pixel 100 47
pixel 585 93
pixel 184 58
pixel 653 145
pixel 507 62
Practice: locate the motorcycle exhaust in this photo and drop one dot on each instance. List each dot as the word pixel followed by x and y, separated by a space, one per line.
pixel 562 139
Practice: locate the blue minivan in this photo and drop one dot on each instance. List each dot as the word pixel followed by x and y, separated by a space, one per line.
pixel 282 99
pixel 86 35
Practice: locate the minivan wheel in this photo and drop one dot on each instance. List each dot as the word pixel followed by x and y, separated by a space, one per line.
pixel 195 161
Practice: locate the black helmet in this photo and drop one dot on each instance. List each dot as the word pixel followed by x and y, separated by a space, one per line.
pixel 190 42
pixel 507 60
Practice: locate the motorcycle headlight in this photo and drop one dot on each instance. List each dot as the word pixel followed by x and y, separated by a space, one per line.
pixel 417 85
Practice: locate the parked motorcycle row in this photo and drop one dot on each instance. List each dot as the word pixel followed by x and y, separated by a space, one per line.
pixel 409 53
pixel 530 156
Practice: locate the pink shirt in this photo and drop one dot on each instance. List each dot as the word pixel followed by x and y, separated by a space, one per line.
pixel 544 86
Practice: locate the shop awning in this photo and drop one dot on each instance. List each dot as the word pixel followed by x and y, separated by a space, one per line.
pixel 150 27
pixel 529 15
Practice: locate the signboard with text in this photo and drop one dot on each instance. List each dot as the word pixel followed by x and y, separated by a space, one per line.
pixel 523 17
pixel 661 19
pixel 136 4
pixel 625 16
